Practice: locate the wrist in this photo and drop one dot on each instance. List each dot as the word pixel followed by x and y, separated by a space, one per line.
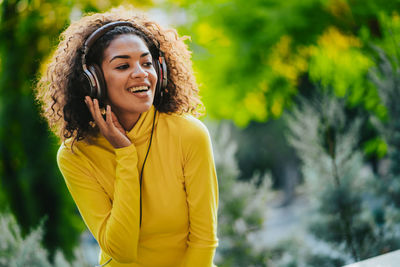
pixel 123 152
pixel 122 144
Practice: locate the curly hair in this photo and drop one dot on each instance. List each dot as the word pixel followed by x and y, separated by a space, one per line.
pixel 62 89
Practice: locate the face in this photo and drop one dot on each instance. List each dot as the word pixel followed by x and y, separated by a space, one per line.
pixel 130 75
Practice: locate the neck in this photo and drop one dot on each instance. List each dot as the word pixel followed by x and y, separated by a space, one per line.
pixel 128 120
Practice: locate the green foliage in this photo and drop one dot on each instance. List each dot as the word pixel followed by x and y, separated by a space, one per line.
pixel 390 32
pixel 386 76
pixel 30 182
pixel 241 208
pixel 323 261
pixel 349 214
pixel 17 251
pixel 375 146
pixel 252 57
pixel 295 253
pixel 338 61
pixel 234 48
pixel 31 185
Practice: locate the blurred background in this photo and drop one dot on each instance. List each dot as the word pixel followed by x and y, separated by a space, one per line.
pixel 302 105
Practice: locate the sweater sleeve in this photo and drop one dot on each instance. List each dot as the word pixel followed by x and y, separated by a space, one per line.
pixel 202 197
pixel 115 225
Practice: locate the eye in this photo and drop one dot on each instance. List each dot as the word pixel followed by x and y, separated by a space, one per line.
pixel 122 67
pixel 148 64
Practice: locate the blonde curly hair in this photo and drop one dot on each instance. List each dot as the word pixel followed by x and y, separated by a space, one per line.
pixel 62 89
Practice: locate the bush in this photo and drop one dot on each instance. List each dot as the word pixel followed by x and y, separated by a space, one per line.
pixel 242 207
pixel 19 251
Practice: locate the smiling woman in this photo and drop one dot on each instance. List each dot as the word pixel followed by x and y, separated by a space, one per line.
pixel 130 76
pixel 120 92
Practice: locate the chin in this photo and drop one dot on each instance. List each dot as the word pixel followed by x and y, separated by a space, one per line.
pixel 144 107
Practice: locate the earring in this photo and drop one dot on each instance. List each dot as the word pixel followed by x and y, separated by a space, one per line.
pixel 92 124
pixel 103 111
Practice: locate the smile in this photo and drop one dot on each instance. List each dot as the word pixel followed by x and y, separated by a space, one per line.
pixel 138 89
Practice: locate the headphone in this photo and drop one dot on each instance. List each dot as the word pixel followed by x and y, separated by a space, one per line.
pixel 95 76
pixel 97 83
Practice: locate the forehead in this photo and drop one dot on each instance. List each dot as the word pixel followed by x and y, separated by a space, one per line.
pixel 125 44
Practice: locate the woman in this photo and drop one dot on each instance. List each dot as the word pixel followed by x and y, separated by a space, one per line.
pixel 119 92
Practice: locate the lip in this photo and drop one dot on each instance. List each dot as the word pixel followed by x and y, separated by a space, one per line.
pixel 144 94
pixel 139 84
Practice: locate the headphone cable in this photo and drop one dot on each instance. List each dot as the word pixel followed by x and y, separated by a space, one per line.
pixel 141 178
pixel 144 162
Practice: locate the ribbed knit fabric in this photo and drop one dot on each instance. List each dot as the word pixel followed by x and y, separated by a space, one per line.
pixel 179 193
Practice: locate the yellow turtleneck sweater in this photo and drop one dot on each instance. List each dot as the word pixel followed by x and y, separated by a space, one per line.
pixel 179 193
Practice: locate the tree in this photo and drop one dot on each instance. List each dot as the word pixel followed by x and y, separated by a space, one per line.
pixel 19 251
pixel 241 207
pixel 31 185
pixel 386 76
pixel 348 209
pixel 252 57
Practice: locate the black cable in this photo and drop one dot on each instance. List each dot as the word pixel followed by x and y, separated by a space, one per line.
pixel 144 162
pixel 141 176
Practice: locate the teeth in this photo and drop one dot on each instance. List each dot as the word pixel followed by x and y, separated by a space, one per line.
pixel 138 88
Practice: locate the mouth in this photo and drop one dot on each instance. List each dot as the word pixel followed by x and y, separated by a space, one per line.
pixel 138 89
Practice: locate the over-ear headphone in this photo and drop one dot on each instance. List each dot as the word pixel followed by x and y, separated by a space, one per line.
pixel 95 76
pixel 98 87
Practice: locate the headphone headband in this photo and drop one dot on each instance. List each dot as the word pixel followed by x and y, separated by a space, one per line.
pixel 94 73
pixel 98 33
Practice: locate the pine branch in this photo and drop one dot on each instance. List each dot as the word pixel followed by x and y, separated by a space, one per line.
pixel 346 221
pixel 327 144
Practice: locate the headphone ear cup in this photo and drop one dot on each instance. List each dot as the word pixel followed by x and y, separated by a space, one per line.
pixel 100 90
pixel 161 69
pixel 157 95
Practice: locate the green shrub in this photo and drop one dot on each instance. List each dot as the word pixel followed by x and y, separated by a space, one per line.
pixel 19 251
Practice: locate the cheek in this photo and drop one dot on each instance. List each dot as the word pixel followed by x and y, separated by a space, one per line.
pixel 111 79
pixel 153 77
pixel 107 77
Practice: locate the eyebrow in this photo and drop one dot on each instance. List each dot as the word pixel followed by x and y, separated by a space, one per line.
pixel 127 56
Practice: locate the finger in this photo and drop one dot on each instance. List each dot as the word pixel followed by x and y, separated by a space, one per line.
pixel 114 118
pixel 89 104
pixel 97 115
pixel 109 116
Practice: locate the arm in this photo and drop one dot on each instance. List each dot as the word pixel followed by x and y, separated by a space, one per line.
pixel 202 196
pixel 115 225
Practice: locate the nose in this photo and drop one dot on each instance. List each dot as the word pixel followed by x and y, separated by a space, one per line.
pixel 138 72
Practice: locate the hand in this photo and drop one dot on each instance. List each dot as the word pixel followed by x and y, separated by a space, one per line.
pixel 110 128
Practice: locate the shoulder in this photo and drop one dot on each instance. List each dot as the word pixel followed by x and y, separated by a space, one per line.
pixel 68 156
pixel 64 152
pixel 76 163
pixel 194 138
pixel 186 126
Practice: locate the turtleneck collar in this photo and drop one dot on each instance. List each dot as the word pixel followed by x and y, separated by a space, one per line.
pixel 142 129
